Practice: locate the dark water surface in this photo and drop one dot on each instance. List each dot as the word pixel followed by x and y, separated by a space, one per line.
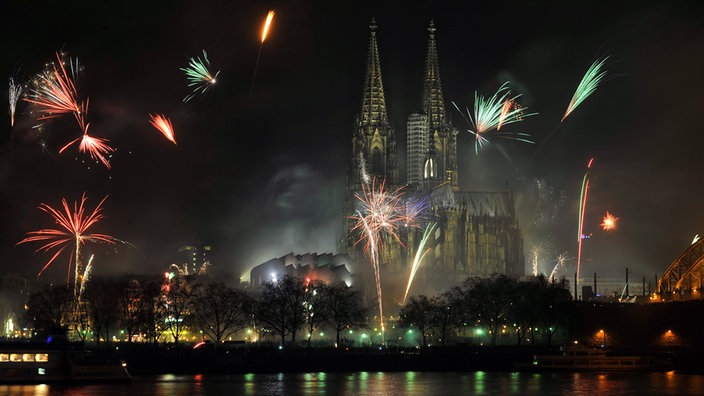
pixel 387 383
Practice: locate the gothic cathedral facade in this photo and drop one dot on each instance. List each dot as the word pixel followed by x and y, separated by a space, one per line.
pixel 462 233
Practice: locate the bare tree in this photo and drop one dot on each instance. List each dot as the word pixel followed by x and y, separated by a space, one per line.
pixel 102 299
pixel 152 311
pixel 281 307
pixel 418 313
pixel 129 306
pixel 315 307
pixel 487 301
pixel 48 308
pixel 220 311
pixel 178 304
pixel 344 309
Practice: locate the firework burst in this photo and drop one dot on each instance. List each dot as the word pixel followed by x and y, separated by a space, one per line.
pixel 490 114
pixel 609 222
pixel 54 91
pixel 72 232
pixel 381 213
pixel 15 92
pixel 163 125
pixel 560 264
pixel 588 85
pixel 382 210
pixel 97 148
pixel 199 76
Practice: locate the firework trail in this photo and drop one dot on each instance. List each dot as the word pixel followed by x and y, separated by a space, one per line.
pixel 536 252
pixel 15 92
pixel 199 76
pixel 493 113
pixel 595 74
pixel 420 254
pixel 86 276
pixel 265 32
pixel 381 213
pixel 362 164
pixel 609 222
pixel 587 86
pixel 72 232
pixel 163 125
pixel 560 264
pixel 582 207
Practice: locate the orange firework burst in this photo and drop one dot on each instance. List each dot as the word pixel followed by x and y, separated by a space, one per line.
pixel 71 233
pixel 97 148
pixel 163 124
pixel 609 222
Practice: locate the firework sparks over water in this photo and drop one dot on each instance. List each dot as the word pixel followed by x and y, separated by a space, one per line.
pixel 609 222
pixel 490 114
pixel 72 233
pixel 15 92
pixel 163 125
pixel 199 76
pixel 588 85
pixel 420 254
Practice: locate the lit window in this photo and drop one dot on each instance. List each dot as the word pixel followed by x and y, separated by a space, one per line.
pixel 4 357
pixel 28 357
pixel 41 371
pixel 15 357
pixel 41 357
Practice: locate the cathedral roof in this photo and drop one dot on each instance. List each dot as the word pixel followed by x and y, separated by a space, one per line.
pixel 477 203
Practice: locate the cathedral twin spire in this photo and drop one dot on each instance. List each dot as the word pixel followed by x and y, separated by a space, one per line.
pixel 374 138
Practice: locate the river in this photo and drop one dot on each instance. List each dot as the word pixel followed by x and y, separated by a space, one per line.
pixel 385 383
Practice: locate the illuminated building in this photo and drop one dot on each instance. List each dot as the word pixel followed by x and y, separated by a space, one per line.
pixel 478 232
pixel 327 267
pixel 193 260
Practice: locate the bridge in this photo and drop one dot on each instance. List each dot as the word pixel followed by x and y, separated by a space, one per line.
pixel 683 278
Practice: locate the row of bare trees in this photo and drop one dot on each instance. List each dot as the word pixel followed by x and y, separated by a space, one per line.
pixel 527 308
pixel 110 307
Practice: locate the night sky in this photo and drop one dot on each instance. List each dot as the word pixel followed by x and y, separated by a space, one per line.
pixel 259 183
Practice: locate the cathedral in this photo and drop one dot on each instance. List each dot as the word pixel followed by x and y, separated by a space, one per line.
pixel 465 233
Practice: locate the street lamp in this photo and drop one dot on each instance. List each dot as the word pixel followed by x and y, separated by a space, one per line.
pixel 603 337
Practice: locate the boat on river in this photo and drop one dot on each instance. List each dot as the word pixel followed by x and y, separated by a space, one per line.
pixel 582 358
pixel 28 363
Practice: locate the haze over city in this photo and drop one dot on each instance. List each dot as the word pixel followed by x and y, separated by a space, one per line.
pixel 258 177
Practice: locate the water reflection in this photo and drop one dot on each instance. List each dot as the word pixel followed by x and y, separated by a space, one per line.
pixel 384 383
